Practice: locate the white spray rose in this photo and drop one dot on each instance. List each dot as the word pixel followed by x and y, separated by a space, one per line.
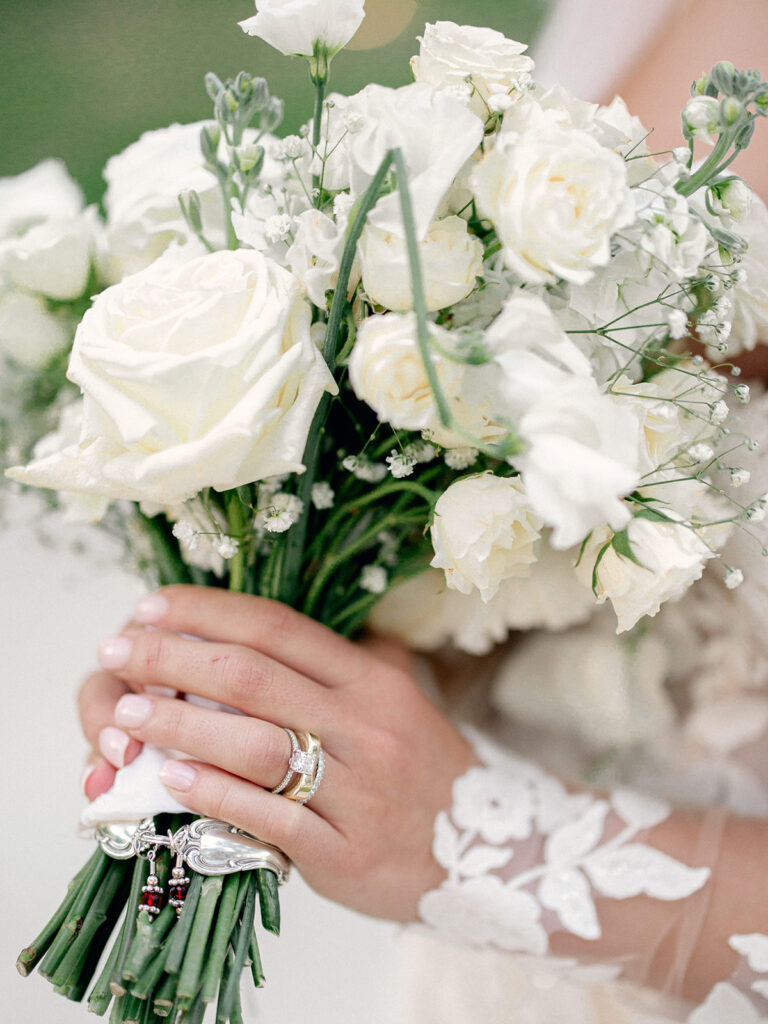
pixel 750 295
pixel 52 258
pixel 295 26
pixel 387 372
pixel 484 531
pixel 581 459
pixel 671 557
pixel 42 193
pixel 142 198
pixel 451 261
pixel 29 334
pixel 201 374
pixel 555 196
pixel 452 54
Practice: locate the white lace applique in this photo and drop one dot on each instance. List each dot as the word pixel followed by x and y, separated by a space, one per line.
pixel 526 858
pixel 744 998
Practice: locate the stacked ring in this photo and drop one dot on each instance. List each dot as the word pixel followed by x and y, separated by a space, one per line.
pixel 306 767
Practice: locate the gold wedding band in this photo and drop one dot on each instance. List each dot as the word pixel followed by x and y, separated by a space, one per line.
pixel 308 764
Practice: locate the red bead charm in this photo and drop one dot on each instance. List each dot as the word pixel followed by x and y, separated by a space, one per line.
pixel 151 894
pixel 178 888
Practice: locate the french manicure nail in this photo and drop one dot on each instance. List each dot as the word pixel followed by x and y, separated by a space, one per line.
pixel 113 743
pixel 115 652
pixel 178 775
pixel 132 711
pixel 151 609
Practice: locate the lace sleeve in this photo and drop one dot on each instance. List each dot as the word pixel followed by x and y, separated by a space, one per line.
pixel 604 885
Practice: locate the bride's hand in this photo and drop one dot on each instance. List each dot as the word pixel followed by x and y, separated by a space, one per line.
pixel 391 757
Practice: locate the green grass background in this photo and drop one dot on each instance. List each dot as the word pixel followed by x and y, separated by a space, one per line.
pixel 81 79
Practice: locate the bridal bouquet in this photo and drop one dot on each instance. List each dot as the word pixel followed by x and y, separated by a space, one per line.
pixel 450 362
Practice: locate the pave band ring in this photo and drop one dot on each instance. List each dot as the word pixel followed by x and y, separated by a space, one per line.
pixel 295 748
pixel 307 765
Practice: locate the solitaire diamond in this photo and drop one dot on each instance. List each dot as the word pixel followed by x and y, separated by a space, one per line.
pixel 303 762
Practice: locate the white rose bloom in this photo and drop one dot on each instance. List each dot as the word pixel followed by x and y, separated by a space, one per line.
pixel 750 295
pixel 483 532
pixel 436 132
pixel 555 196
pixel 295 26
pixel 451 261
pixel 44 192
pixel 201 374
pixel 52 258
pixel 29 334
pixel 671 557
pixel 452 54
pixel 387 372
pixel 142 198
pixel 580 461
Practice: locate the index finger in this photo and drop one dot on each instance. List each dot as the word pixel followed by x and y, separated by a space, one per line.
pixel 267 626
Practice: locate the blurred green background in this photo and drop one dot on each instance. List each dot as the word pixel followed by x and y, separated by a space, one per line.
pixel 81 79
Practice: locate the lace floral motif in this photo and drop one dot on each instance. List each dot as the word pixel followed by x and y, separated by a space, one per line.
pixel 525 857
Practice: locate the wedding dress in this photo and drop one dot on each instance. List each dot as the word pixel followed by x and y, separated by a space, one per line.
pixel 528 926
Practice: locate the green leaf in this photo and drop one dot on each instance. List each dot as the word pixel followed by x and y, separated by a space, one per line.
pixel 598 560
pixel 622 546
pixel 654 514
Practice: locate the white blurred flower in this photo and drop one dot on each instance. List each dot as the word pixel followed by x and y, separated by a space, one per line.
pixel 298 26
pixel 702 116
pixel 460 458
pixel 400 464
pixel 373 578
pixel 701 453
pixel 278 227
pixel 494 66
pixel 142 198
pixel 186 534
pixel 227 547
pixel 315 255
pixel 484 531
pixel 29 334
pixel 280 512
pixel 451 261
pixel 739 477
pixel 719 412
pixel 678 324
pixel 364 469
pixel 323 495
pixel 673 234
pixel 223 393
pixel 52 258
pixel 733 578
pixel 670 556
pixel 732 199
pixel 555 197
pixel 45 192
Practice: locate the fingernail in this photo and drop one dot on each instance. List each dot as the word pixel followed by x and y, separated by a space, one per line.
pixel 115 652
pixel 113 744
pixel 178 775
pixel 161 691
pixel 151 608
pixel 87 773
pixel 132 711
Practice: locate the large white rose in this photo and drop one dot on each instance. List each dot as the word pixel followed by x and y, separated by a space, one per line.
pixel 493 65
pixel 295 26
pixel 555 197
pixel 142 198
pixel 43 192
pixel 484 531
pixel 671 557
pixel 386 371
pixel 199 374
pixel 581 459
pixel 451 261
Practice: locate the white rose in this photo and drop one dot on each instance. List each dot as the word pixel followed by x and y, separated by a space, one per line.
pixel 201 374
pixel 750 295
pixel 29 334
pixel 484 531
pixel 555 196
pixel 453 54
pixel 581 459
pixel 45 191
pixel 142 198
pixel 52 258
pixel 451 261
pixel 671 557
pixel 387 372
pixel 732 199
pixel 702 115
pixel 295 26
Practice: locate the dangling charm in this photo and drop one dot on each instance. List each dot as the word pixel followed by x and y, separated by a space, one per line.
pixel 152 893
pixel 178 885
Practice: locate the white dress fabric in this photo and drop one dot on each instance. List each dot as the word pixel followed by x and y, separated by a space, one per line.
pixel 674 715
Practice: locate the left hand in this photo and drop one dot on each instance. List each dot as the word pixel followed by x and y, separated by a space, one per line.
pixel 365 839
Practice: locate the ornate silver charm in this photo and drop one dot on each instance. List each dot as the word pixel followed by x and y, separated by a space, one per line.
pixel 208 846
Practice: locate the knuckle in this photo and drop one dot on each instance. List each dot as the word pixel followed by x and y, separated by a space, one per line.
pixel 168 720
pixel 152 654
pixel 274 619
pixel 273 754
pixel 237 676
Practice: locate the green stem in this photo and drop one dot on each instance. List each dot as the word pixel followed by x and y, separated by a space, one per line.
pixel 127 932
pixel 232 984
pixel 236 520
pixel 189 978
pixel 165 997
pixel 317 126
pixel 85 896
pixel 101 993
pixel 147 941
pixel 224 922
pixel 708 168
pixel 146 982
pixel 269 900
pixel 177 944
pixel 257 971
